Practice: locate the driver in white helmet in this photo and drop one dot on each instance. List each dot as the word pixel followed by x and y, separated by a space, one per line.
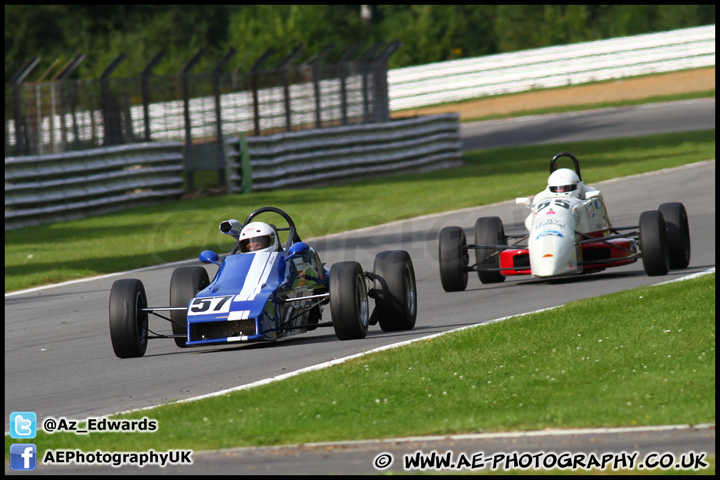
pixel 258 237
pixel 562 183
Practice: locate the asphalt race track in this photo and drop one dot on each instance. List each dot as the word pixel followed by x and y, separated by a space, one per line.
pixel 617 122
pixel 59 361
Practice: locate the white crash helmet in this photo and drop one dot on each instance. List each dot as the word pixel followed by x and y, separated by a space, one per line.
pixel 564 181
pixel 258 237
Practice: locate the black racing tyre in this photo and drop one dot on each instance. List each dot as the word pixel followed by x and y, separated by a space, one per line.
pixel 128 323
pixel 185 283
pixel 653 243
pixel 678 233
pixel 348 301
pixel 395 290
pixel 453 258
pixel 489 231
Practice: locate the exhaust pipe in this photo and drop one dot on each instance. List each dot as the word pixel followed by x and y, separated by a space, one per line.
pixel 231 227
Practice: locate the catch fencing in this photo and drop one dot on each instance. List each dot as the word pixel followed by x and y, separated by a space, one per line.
pixel 68 115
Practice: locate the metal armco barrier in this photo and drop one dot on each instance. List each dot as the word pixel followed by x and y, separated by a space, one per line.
pixel 549 67
pixel 332 155
pixel 50 188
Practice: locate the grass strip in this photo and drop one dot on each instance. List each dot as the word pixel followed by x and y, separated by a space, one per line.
pixel 638 357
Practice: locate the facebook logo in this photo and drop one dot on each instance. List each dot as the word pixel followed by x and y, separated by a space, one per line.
pixel 23 456
pixel 23 425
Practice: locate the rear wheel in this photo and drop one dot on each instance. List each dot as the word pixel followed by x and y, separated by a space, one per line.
pixel 185 283
pixel 453 258
pixel 653 243
pixel 678 233
pixel 348 301
pixel 128 323
pixel 395 290
pixel 489 231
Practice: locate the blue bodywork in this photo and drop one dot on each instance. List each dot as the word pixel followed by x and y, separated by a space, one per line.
pixel 248 298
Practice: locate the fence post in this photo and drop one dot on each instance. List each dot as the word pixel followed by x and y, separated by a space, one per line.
pixel 343 64
pixel 218 113
pixel 316 83
pixel 145 86
pixel 381 98
pixel 21 133
pixel 365 65
pixel 62 76
pixel 110 107
pixel 285 69
pixel 255 87
pixel 184 72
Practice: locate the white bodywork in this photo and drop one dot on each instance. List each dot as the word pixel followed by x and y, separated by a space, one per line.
pixel 554 226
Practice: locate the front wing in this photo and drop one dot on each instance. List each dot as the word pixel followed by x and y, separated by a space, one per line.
pixel 596 255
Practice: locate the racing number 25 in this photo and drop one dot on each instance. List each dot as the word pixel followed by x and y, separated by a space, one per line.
pixel 214 304
pixel 559 203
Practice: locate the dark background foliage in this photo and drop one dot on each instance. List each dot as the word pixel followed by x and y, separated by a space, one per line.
pixel 429 33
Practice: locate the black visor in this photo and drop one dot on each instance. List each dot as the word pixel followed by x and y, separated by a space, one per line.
pixel 563 188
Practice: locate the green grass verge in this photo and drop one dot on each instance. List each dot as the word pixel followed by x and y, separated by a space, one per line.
pixel 632 358
pixel 147 236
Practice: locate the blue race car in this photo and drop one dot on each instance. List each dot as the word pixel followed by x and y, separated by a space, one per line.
pixel 263 291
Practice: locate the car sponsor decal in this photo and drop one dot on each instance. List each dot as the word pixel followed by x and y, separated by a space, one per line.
pixel 300 267
pixel 550 221
pixel 257 276
pixel 550 233
pixel 590 210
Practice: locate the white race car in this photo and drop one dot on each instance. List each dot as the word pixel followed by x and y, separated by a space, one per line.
pixel 568 233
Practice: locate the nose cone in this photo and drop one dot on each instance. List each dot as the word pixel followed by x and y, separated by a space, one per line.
pixel 552 253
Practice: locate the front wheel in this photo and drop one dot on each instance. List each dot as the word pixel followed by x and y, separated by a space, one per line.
pixel 489 231
pixel 128 322
pixel 185 283
pixel 678 233
pixel 348 301
pixel 454 259
pixel 395 290
pixel 653 243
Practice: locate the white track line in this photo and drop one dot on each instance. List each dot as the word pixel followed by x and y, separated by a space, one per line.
pixel 474 436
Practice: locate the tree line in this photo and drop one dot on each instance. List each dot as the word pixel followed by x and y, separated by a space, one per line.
pixel 428 33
